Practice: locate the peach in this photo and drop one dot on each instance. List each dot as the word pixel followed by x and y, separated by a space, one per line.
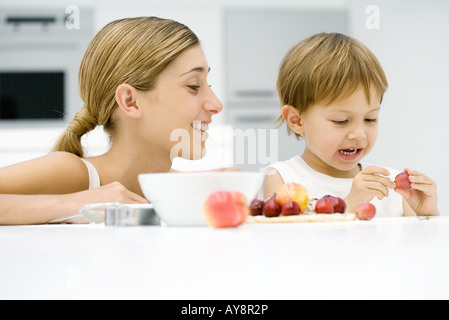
pixel 223 209
pixel 294 192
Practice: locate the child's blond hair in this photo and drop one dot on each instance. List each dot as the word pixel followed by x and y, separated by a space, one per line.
pixel 327 67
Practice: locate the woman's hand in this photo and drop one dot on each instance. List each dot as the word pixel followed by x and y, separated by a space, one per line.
pixel 367 184
pixel 422 197
pixel 113 192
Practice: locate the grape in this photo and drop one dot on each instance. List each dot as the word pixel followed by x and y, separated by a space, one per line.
pixel 290 208
pixel 402 181
pixel 271 208
pixel 256 207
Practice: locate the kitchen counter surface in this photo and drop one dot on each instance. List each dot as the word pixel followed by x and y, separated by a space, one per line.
pixel 390 258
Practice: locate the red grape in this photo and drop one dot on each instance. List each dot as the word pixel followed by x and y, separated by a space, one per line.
pixel 256 207
pixel 271 208
pixel 365 211
pixel 402 181
pixel 290 208
pixel 324 205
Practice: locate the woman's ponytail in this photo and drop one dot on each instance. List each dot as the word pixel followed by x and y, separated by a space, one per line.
pixel 70 141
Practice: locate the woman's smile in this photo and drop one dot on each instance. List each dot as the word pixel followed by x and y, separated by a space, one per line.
pixel 201 127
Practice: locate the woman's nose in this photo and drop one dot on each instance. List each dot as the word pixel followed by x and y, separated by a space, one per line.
pixel 212 103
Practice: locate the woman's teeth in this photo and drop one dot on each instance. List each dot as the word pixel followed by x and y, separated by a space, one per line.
pixel 200 126
pixel 349 152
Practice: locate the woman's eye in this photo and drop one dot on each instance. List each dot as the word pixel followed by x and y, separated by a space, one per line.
pixel 194 87
pixel 371 120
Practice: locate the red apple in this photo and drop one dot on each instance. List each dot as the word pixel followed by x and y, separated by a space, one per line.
pixel 224 209
pixel 324 205
pixel 291 208
pixel 294 192
pixel 256 207
pixel 365 211
pixel 402 181
pixel 272 208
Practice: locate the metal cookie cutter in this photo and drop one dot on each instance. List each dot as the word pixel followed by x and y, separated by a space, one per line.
pixel 124 215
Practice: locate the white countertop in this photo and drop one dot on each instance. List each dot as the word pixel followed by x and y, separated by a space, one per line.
pixel 390 258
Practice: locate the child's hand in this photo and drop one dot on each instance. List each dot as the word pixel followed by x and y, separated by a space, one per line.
pixel 422 197
pixel 367 184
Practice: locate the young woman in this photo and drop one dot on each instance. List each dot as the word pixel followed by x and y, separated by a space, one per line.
pixel 142 79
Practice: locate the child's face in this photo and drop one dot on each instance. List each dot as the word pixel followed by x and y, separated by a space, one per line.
pixel 181 105
pixel 339 135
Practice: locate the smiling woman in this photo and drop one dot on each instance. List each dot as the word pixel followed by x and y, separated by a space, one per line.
pixel 141 79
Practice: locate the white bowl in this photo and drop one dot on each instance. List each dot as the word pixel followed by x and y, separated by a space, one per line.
pixel 178 197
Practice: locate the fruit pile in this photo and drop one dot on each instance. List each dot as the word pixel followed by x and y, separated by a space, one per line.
pixel 224 209
pixel 292 199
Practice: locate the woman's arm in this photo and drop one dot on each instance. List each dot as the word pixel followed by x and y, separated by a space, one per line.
pixel 55 173
pixel 38 209
pixel 52 187
pixel 33 209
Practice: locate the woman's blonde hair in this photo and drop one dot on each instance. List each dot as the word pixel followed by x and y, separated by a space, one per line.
pixel 327 67
pixel 133 51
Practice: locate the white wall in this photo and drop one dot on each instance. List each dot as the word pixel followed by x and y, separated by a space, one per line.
pixel 412 44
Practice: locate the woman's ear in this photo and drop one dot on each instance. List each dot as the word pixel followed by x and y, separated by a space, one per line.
pixel 126 97
pixel 293 119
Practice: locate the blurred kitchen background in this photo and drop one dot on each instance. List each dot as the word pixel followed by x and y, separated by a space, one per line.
pixel 42 43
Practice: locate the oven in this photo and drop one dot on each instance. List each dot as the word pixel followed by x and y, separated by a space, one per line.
pixel 40 53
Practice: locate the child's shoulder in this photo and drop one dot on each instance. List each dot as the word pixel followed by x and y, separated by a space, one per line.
pixel 278 173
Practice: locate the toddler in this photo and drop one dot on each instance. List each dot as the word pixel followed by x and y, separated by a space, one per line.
pixel 331 88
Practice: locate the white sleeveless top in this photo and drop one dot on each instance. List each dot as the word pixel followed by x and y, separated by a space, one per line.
pixel 94 177
pixel 319 185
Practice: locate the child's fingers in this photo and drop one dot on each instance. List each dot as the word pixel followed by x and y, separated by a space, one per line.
pixel 375 170
pixel 428 189
pixel 377 189
pixel 414 173
pixel 379 179
pixel 420 181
